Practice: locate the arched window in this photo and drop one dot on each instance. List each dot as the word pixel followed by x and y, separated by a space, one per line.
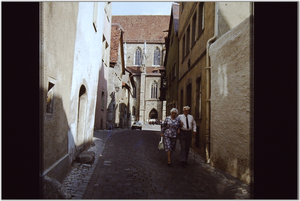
pixel 138 56
pixel 153 114
pixel 156 56
pixel 154 89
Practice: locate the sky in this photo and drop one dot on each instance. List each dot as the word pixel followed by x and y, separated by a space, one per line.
pixel 141 8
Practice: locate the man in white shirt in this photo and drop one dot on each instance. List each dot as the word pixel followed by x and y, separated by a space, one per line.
pixel 188 125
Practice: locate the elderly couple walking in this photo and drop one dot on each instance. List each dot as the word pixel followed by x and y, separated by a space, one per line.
pixel 181 127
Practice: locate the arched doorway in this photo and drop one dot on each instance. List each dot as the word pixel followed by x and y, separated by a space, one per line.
pixel 153 114
pixel 82 101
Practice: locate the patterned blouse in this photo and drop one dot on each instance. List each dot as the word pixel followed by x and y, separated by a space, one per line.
pixel 169 127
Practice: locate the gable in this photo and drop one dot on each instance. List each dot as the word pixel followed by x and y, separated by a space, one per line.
pixel 139 28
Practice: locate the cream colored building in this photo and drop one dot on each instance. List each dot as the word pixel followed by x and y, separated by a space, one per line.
pixel 214 80
pixel 144 53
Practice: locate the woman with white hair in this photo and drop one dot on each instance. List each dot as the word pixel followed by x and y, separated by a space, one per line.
pixel 169 130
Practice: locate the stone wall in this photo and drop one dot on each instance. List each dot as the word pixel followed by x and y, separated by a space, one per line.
pixel 230 102
pixel 135 102
pixel 131 49
pixel 147 103
pixel 152 103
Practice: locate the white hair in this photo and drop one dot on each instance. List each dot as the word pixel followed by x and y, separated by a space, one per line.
pixel 186 107
pixel 174 110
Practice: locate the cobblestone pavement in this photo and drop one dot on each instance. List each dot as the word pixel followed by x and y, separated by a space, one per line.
pixel 80 174
pixel 130 166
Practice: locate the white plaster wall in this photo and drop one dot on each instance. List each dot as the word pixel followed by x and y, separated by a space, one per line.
pixel 87 63
pixel 107 33
pixel 230 102
pixel 231 14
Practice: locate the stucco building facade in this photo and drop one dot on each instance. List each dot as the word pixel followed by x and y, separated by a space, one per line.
pixel 172 61
pixel 103 75
pixel 231 90
pixel 71 36
pixel 144 52
pixel 120 85
pixel 196 27
pixel 202 71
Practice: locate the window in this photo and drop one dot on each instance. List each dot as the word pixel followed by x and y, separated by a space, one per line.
pixel 134 92
pixel 181 101
pixel 133 110
pixel 106 9
pixel 183 47
pixel 138 56
pixel 187 40
pixel 198 102
pixel 95 15
pixel 105 51
pixel 189 95
pixel 50 97
pixel 173 71
pixel 102 100
pixel 156 56
pixel 194 28
pixel 154 90
pixel 200 18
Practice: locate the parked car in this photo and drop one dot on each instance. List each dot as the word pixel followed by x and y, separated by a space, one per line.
pixel 152 121
pixel 136 125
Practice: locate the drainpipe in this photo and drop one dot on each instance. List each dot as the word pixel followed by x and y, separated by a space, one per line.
pixel 208 86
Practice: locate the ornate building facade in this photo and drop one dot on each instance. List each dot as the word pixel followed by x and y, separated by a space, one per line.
pixel 144 52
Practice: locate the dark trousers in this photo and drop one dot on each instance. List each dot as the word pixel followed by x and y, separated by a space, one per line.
pixel 185 138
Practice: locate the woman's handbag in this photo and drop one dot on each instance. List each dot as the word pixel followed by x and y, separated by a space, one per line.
pixel 161 144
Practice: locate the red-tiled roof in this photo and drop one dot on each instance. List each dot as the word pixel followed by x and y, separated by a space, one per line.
pixel 151 69
pixel 139 28
pixel 115 42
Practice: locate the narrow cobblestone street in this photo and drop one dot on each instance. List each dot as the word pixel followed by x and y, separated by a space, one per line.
pixel 129 165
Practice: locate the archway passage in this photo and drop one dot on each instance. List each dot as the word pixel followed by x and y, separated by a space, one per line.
pixel 153 114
